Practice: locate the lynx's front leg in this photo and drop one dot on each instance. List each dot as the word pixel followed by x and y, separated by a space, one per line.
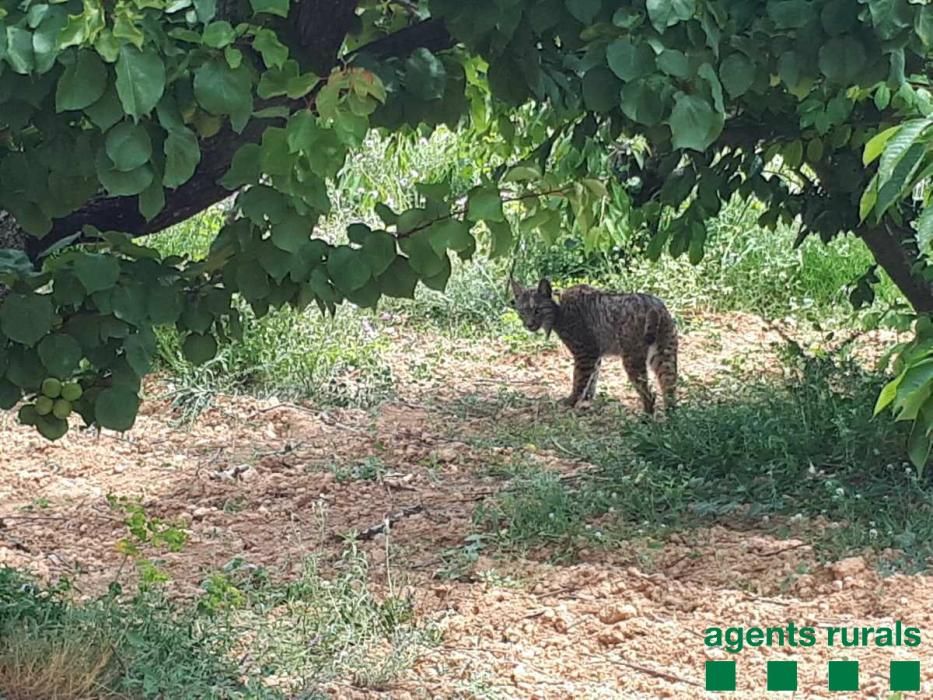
pixel 585 367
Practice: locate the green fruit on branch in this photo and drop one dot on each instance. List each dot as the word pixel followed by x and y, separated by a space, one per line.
pixel 72 391
pixel 52 388
pixel 61 409
pixel 44 405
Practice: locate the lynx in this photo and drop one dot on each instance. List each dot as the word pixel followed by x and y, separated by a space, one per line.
pixel 593 323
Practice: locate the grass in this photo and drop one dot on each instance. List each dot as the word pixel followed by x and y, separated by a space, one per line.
pixel 806 454
pixel 245 637
pixel 290 354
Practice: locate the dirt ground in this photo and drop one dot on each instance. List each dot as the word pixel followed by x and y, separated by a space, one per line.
pixel 256 479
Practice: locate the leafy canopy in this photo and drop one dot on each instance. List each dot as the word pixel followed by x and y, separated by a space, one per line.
pixel 597 114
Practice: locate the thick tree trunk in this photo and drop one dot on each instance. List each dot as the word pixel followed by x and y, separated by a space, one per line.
pixel 895 256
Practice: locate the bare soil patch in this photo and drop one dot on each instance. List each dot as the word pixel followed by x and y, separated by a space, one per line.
pixel 273 482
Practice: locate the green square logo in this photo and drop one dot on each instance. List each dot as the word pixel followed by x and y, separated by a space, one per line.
pixel 782 675
pixel 720 676
pixel 905 675
pixel 843 675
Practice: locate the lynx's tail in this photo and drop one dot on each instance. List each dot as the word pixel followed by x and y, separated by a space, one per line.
pixel 662 359
pixel 652 321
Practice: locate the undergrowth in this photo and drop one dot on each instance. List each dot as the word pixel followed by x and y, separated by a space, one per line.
pixel 244 637
pixel 803 455
pixel 289 354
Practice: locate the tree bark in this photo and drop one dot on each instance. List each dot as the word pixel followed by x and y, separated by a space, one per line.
pixel 893 254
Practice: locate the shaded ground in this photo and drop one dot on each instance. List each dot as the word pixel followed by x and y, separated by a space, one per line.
pixel 272 482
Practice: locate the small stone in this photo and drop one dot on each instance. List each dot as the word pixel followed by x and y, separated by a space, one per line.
pixel 612 614
pixel 611 638
pixel 844 568
pixel 201 512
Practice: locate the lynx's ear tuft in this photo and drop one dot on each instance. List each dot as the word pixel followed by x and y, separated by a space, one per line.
pixel 516 287
pixel 544 287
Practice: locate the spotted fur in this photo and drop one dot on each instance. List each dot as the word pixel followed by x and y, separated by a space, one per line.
pixel 593 324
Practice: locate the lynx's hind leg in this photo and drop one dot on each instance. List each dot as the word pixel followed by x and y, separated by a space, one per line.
pixel 662 359
pixel 637 370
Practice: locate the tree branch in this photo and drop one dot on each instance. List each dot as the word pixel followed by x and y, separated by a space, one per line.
pixel 890 250
pixel 203 189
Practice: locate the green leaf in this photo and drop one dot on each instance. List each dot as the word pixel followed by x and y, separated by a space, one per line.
pixel 438 282
pixel 737 74
pixel 182 155
pixel 893 188
pixel 641 103
pixel 140 80
pixel 128 145
pixel 10 394
pixel 60 353
pixel 600 89
pixel 97 272
pixel 630 61
pixel 887 395
pixel 876 144
pixel 82 83
pixel 584 11
pixel 708 74
pixel 152 200
pixel 918 445
pixel 19 51
pixel 898 144
pixel 116 408
pixel 882 97
pixel 164 304
pixel 842 59
pixel 129 303
pixel 484 204
pixel 380 251
pixel 923 25
pixel 278 8
pixel 274 52
pixel 925 231
pixel 275 261
pixel 399 280
pixel 252 281
pixel 25 318
pixel 421 255
pixel 139 349
pixel 838 16
pixel 217 35
pixel 198 348
pixel 348 268
pixel 244 169
pixel 107 111
pixel 206 10
pixel 674 63
pixel 793 154
pixel 694 124
pixel 500 238
pixel 292 232
pixel 791 14
pixel 119 183
pixel 667 13
pixel 222 90
pixel 450 234
pixel 425 75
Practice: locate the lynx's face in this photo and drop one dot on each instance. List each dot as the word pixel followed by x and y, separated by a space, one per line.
pixel 535 306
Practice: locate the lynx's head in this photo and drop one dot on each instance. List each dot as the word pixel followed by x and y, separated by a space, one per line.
pixel 535 305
